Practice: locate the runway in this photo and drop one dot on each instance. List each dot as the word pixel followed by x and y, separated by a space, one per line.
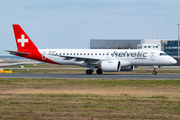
pixel 93 76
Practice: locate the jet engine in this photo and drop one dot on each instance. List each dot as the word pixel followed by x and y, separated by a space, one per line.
pixel 127 68
pixel 111 66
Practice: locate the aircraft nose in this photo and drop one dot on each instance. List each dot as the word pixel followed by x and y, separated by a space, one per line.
pixel 173 61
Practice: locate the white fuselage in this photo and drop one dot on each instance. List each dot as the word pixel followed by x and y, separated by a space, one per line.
pixel 128 57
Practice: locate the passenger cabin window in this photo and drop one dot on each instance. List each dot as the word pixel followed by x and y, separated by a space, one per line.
pixel 84 53
pixel 91 53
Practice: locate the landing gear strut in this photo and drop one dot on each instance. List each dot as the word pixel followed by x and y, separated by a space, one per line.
pixel 89 71
pixel 99 71
pixel 154 72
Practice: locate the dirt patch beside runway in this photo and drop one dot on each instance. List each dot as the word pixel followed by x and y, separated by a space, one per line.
pixel 114 91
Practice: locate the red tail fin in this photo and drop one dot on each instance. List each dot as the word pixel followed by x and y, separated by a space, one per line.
pixel 23 42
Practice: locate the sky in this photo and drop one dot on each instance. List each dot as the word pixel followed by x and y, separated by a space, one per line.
pixel 70 24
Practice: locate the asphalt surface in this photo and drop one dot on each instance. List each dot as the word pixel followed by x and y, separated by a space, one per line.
pixel 94 76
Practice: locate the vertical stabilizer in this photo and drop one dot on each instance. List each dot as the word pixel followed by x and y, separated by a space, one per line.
pixel 23 42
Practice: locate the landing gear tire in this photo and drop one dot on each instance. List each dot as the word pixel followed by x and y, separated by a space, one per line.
pixel 154 72
pixel 89 71
pixel 99 71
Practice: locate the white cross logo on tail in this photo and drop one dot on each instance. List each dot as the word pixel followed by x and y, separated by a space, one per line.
pixel 22 40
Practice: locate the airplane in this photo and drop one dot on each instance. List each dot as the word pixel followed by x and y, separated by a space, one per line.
pixel 101 60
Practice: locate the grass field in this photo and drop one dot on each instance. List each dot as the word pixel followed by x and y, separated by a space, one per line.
pixel 25 98
pixel 80 71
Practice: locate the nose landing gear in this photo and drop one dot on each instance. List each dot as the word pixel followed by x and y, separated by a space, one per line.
pixel 155 72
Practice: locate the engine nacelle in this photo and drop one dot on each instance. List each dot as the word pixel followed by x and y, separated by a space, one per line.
pixel 127 68
pixel 111 66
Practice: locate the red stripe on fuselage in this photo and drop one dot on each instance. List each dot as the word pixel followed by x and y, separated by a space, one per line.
pixel 36 55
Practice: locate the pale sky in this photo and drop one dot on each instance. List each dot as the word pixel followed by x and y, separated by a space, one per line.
pixel 72 23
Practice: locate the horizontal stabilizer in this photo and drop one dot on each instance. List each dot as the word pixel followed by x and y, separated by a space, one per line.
pixel 15 52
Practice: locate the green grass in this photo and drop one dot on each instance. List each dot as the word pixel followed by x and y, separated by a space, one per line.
pixel 27 98
pixel 90 82
pixel 76 106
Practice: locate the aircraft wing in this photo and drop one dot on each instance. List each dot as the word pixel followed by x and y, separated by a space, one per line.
pixel 93 59
pixel 80 58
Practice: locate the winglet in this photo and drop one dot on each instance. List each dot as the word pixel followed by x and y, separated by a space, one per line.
pixel 23 42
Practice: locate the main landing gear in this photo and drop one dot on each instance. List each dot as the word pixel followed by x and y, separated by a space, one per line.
pixel 89 71
pixel 99 71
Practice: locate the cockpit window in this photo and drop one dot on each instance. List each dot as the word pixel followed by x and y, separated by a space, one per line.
pixel 163 54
